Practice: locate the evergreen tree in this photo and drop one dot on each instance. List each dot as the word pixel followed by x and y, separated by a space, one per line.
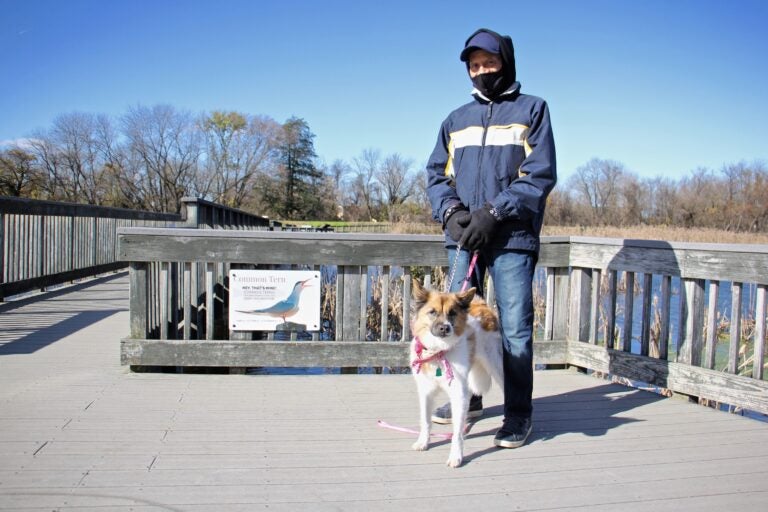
pixel 300 174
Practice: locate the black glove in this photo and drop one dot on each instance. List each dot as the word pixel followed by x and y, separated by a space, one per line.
pixel 480 231
pixel 456 222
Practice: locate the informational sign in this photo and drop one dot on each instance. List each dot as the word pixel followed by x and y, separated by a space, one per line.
pixel 274 300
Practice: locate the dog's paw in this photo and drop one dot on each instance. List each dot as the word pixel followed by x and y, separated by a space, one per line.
pixel 453 462
pixel 419 446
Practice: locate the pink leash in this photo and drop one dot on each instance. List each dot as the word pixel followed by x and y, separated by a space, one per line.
pixel 442 435
pixel 472 263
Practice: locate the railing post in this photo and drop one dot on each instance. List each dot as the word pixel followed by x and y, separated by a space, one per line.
pixel 560 303
pixel 349 330
pixel 735 328
pixel 759 354
pixel 137 275
pixel 579 307
pixel 629 306
pixel 2 253
pixel 689 342
pixel 191 208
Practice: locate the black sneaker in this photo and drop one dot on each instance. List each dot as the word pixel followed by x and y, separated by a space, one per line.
pixel 513 433
pixel 442 414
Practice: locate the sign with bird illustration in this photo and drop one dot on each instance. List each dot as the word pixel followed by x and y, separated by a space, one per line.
pixel 274 300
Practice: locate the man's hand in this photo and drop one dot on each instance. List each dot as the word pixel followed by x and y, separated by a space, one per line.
pixel 480 230
pixel 456 222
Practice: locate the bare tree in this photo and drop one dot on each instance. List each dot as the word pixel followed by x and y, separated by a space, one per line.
pixel 165 145
pixel 662 200
pixel 239 149
pixel 365 188
pixel 597 184
pixel 17 172
pixel 338 173
pixel 73 155
pixel 747 196
pixel 397 183
pixel 700 200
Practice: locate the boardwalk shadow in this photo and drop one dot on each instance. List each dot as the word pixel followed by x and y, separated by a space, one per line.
pixel 590 412
pixel 46 335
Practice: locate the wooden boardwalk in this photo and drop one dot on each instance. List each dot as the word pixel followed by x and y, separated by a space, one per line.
pixel 80 432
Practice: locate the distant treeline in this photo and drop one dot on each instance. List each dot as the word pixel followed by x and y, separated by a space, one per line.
pixel 151 157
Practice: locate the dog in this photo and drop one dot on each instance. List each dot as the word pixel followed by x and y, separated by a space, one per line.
pixel 456 347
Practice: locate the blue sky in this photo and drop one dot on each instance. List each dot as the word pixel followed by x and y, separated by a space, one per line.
pixel 663 87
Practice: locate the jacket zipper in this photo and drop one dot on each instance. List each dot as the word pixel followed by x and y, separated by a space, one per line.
pixel 478 176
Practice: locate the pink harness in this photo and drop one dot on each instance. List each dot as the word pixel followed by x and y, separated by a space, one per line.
pixel 440 357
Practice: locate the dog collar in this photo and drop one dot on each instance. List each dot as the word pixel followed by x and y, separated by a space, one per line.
pixel 417 363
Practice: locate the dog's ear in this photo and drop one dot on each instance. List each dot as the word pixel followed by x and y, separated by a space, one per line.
pixel 464 299
pixel 420 295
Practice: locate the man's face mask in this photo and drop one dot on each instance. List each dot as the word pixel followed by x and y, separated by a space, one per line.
pixel 489 84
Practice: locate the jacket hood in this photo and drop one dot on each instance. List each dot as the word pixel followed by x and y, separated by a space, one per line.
pixel 507 54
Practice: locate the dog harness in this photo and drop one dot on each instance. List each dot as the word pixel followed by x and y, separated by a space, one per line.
pixel 439 357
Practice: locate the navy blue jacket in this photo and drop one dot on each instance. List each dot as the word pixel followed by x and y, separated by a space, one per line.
pixel 500 152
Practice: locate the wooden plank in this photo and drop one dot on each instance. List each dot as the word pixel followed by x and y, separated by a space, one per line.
pixel 560 307
pixel 578 312
pixel 241 351
pixel 362 299
pixel 268 247
pixel 665 313
pixel 138 299
pixel 610 320
pixel 683 378
pixel 689 341
pixel 724 262
pixel 645 333
pixel 760 321
pixel 710 343
pixel 385 282
pixel 186 300
pixel 734 331
pixel 228 353
pixel 594 306
pixel 209 300
pixel 350 328
pixel 2 252
pixel 550 304
pixel 629 306
pixel 407 277
pixel 339 316
pixel 164 297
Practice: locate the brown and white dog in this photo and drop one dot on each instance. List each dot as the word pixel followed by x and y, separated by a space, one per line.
pixel 456 347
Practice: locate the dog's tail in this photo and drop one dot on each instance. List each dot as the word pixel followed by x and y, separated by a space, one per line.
pixel 483 312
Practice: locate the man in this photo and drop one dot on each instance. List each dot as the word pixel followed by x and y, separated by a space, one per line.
pixel 488 179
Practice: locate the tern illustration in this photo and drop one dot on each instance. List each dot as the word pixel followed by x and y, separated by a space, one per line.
pixel 286 307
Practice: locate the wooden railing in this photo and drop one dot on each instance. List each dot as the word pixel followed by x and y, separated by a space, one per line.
pixel 45 243
pixel 200 213
pixel 675 336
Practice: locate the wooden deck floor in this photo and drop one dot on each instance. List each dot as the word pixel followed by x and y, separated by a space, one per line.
pixel 79 432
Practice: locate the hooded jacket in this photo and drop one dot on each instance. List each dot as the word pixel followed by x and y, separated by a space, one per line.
pixel 498 153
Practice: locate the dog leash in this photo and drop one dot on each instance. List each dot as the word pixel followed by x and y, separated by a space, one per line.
pixel 471 269
pixel 440 435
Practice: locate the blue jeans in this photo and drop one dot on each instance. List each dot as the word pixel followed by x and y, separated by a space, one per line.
pixel 512 274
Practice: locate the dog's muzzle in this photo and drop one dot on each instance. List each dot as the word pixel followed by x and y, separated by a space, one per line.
pixel 441 329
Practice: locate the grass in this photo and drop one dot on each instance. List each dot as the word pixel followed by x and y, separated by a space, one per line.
pixel 641 232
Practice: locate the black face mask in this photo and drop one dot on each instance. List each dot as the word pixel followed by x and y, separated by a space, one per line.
pixel 490 84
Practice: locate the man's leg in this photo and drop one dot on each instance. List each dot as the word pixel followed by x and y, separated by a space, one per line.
pixel 512 273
